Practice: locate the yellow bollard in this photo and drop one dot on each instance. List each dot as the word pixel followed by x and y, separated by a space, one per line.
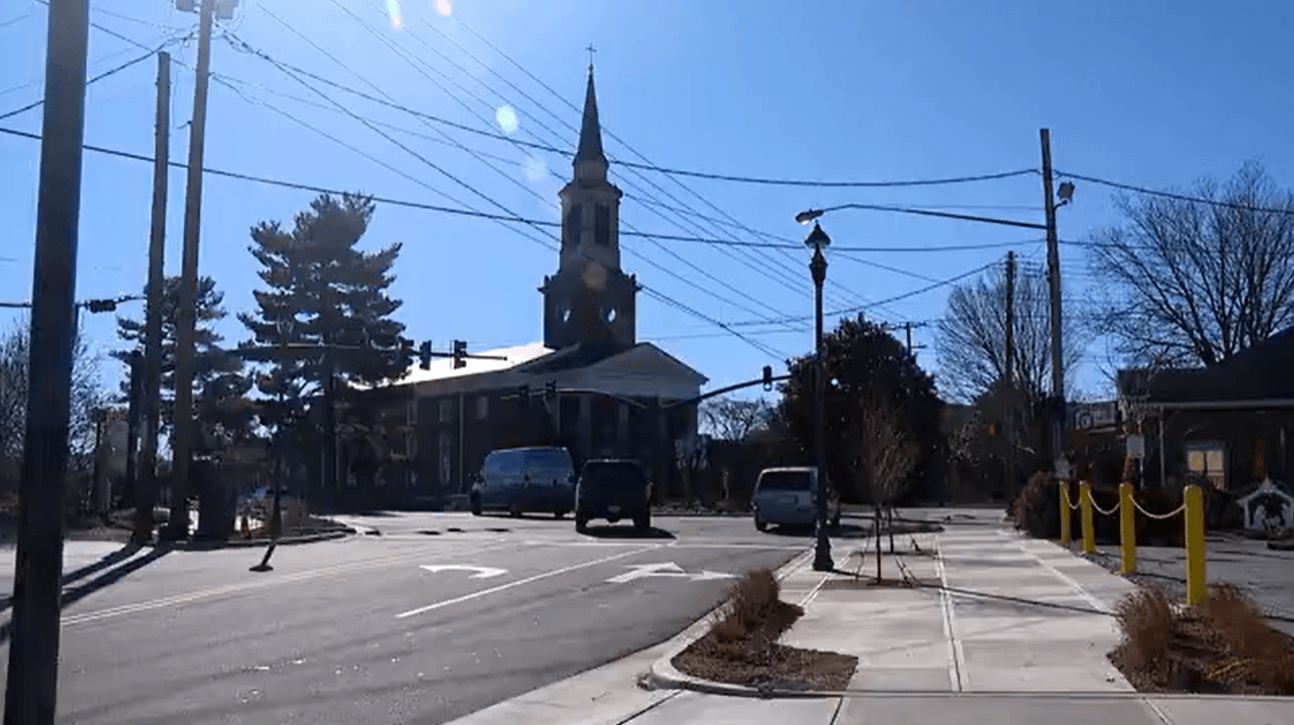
pixel 1089 531
pixel 1196 588
pixel 1127 529
pixel 1065 517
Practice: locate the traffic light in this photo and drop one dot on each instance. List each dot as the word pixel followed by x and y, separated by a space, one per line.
pixel 550 390
pixel 523 393
pixel 101 305
pixel 424 355
pixel 460 354
pixel 768 377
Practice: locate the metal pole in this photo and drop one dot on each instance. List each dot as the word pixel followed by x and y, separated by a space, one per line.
pixel 822 550
pixel 182 448
pixel 1009 376
pixel 32 680
pixel 1053 277
pixel 146 491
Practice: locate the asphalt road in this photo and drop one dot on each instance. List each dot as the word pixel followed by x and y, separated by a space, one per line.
pixel 361 631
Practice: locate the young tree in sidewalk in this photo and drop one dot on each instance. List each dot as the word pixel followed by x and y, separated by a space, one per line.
pixel 864 361
pixel 884 456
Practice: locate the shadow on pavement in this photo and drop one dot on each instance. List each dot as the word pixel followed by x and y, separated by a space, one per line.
pixel 107 578
pixel 119 555
pixel 627 532
pixel 843 531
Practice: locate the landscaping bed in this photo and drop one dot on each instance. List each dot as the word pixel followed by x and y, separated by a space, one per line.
pixel 741 648
pixel 1223 645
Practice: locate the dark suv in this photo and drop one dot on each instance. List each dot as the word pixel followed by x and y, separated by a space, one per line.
pixel 612 489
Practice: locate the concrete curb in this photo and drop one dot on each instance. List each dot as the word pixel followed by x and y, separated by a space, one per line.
pixel 663 675
pixel 251 543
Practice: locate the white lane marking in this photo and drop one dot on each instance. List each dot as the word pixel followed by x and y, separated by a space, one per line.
pixel 956 657
pixel 482 572
pixel 642 571
pixel 527 580
pixel 197 595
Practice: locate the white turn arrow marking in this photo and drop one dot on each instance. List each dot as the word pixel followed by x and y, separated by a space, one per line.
pixel 707 575
pixel 482 572
pixel 642 571
pixel 667 569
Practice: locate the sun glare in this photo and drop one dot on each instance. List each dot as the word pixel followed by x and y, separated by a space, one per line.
pixel 507 119
pixel 444 7
pixel 393 9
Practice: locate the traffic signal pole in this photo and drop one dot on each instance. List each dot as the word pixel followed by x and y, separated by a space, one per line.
pixel 32 680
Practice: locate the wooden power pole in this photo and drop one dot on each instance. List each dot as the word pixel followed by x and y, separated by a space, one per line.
pixel 1053 277
pixel 182 443
pixel 31 688
pixel 146 490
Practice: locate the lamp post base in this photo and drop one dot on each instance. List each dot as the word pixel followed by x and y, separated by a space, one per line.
pixel 822 555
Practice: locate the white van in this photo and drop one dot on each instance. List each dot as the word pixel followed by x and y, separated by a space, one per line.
pixel 538 479
pixel 788 497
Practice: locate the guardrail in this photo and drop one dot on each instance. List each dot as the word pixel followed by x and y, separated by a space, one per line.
pixel 1191 510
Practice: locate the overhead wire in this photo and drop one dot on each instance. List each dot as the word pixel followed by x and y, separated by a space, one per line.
pixel 1174 195
pixel 511 216
pixel 687 218
pixel 512 179
pixel 400 52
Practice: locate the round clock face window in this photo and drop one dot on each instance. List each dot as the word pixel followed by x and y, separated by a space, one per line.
pixel 564 314
pixel 609 314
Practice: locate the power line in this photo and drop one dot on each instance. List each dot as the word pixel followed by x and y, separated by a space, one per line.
pixel 888 300
pixel 101 76
pixel 1173 195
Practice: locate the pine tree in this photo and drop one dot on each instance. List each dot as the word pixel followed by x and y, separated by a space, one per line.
pixel 320 290
pixel 220 388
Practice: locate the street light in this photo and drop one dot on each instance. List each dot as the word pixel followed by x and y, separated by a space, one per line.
pixel 819 240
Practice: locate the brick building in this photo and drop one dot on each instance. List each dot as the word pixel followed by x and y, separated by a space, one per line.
pixel 612 392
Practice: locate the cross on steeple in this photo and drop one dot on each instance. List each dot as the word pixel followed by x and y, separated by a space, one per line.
pixel 591 51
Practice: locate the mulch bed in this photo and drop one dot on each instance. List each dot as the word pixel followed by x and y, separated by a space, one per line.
pixel 1222 646
pixel 742 649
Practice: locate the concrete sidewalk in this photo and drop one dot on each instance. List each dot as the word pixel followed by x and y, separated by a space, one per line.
pixel 1002 629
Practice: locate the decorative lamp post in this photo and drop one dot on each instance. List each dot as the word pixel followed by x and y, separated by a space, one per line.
pixel 819 240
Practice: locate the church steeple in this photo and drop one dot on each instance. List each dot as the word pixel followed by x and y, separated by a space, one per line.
pixel 590 161
pixel 590 301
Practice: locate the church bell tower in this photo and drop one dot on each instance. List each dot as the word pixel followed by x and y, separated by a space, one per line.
pixel 590 301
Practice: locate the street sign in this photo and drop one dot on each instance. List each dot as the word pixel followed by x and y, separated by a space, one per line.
pixel 1136 446
pixel 482 572
pixel 666 569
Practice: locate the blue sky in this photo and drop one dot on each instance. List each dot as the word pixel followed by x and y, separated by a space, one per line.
pixel 1152 93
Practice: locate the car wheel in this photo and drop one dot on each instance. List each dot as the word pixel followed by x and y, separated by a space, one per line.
pixel 643 523
pixel 476 505
pixel 558 514
pixel 514 512
pixel 581 523
pixel 760 524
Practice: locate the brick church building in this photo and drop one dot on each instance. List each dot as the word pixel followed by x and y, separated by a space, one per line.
pixel 609 394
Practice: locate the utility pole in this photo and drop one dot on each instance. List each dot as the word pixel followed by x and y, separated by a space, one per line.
pixel 1053 277
pixel 31 690
pixel 330 424
pixel 146 490
pixel 182 450
pixel 1009 376
pixel 133 404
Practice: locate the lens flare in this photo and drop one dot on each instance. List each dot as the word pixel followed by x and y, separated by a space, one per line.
pixel 444 7
pixel 393 9
pixel 535 169
pixel 506 118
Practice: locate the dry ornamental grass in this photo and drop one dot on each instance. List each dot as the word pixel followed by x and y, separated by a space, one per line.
pixel 742 646
pixel 1222 645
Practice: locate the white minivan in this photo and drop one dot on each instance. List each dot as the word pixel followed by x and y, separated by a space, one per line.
pixel 538 479
pixel 788 497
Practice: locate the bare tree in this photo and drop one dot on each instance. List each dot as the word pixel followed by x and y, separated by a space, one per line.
pixel 733 419
pixel 884 459
pixel 971 338
pixel 87 394
pixel 1194 280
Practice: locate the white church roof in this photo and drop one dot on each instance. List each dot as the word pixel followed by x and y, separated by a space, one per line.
pixel 442 368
